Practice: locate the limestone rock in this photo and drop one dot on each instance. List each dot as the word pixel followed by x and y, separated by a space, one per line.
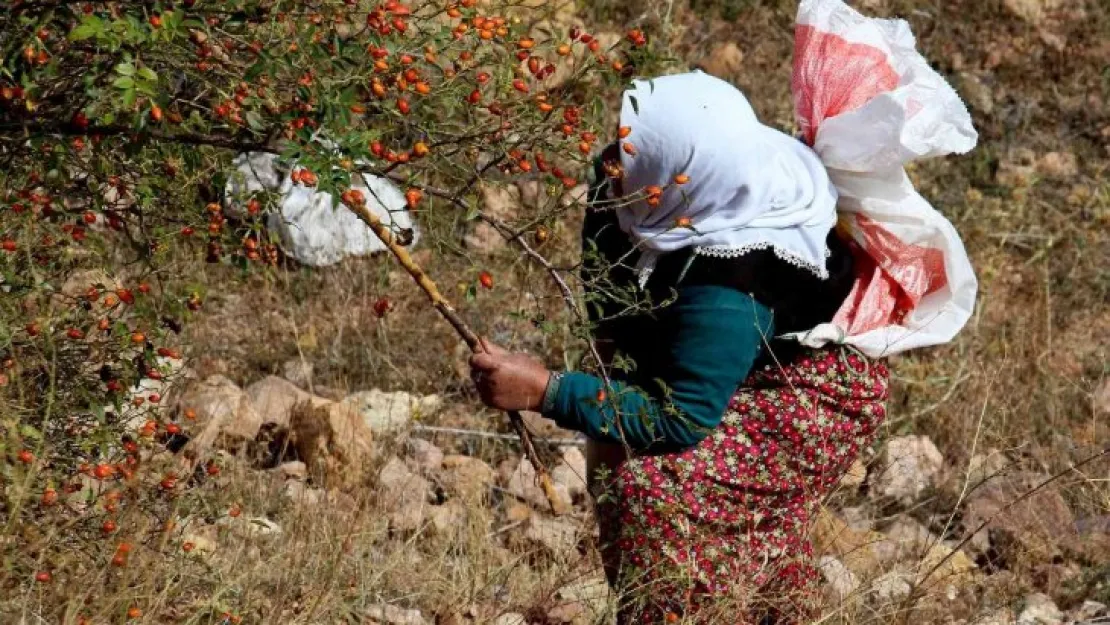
pixel 423 455
pixel 910 464
pixel 1003 616
pixel 524 483
pixel 501 202
pixel 1090 610
pixel 293 470
pixel 393 615
pixel 1040 610
pixel 448 518
pixel 724 61
pixel 274 399
pixel 977 93
pixel 334 442
pixel 841 581
pixel 571 473
pixel 398 485
pixel 408 516
pixel 1033 11
pixel 559 537
pixel 298 371
pixel 1042 522
pixel 385 412
pixel 589 599
pixel 225 414
pixel 892 586
pixel 298 493
pixel 249 527
pixel 466 476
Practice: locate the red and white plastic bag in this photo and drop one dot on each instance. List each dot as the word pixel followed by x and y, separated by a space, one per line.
pixel 868 103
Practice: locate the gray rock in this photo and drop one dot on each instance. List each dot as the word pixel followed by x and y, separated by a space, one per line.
pixel 393 615
pixel 293 470
pixel 841 581
pixel 225 415
pixel 274 398
pixel 298 371
pixel 385 412
pixel 909 465
pixel 1040 609
pixel 571 472
pixel 425 456
pixel 559 537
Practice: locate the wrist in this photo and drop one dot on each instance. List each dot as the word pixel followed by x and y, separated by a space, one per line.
pixel 550 391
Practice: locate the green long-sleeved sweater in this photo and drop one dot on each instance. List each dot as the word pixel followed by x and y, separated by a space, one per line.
pixel 692 356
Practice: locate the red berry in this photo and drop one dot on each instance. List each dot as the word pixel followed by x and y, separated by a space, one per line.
pixel 486 279
pixel 26 457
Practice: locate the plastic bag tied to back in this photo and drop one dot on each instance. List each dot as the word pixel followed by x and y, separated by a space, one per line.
pixel 868 103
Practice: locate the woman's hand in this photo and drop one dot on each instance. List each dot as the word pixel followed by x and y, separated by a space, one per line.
pixel 508 380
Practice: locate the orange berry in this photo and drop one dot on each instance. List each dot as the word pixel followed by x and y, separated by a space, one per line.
pixel 624 131
pixel 403 106
pixel 683 222
pixel 486 279
pixel 108 527
pixel 49 497
pixel 138 337
pixel 103 471
pixel 520 85
pixel 234 511
pixel 413 197
pixel 629 149
pixel 421 149
pixel 25 456
pixel 43 577
pixel 187 547
pixel 134 612
pixel 681 179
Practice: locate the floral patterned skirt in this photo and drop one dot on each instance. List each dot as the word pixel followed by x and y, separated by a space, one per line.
pixel 718 533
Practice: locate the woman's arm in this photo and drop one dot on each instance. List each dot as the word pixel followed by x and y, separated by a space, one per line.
pixel 716 335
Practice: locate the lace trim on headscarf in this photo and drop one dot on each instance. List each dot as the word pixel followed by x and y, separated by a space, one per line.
pixel 725 251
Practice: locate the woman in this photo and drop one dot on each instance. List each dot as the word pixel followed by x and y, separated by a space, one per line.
pixel 740 400
pixel 719 442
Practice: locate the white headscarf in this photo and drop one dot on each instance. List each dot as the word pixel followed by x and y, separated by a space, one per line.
pixel 750 186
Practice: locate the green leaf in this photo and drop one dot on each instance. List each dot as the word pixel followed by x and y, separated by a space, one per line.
pixel 148 74
pixel 28 431
pixel 124 82
pixel 254 120
pixel 635 104
pixel 125 69
pixel 90 27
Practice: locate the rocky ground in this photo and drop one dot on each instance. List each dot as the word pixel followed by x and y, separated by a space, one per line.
pixel 906 531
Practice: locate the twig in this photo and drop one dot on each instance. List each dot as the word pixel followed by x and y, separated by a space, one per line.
pixel 561 442
pixel 448 312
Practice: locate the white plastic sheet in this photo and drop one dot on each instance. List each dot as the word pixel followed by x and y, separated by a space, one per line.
pixel 869 103
pixel 310 229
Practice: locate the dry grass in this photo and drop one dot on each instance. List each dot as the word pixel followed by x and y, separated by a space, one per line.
pixel 1019 379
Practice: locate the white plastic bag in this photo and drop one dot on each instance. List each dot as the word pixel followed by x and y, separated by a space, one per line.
pixel 868 103
pixel 311 230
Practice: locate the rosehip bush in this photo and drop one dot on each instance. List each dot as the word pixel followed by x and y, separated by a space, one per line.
pixel 118 122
